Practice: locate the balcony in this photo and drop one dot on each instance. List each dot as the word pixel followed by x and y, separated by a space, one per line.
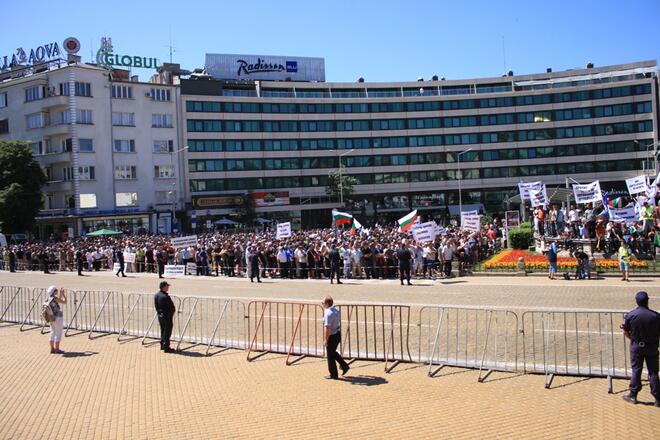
pixel 56 157
pixel 55 130
pixel 58 186
pixel 54 101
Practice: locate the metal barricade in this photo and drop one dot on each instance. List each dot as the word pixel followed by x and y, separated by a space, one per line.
pixel 139 321
pixel 468 337
pixel 15 302
pixel 376 332
pixel 97 311
pixel 218 322
pixel 575 343
pixel 283 327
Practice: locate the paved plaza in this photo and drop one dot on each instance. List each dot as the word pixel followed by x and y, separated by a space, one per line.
pixel 105 389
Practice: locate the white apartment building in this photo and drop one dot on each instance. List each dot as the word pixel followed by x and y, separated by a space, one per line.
pixel 111 152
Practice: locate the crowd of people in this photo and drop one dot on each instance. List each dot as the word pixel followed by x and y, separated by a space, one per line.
pixel 377 252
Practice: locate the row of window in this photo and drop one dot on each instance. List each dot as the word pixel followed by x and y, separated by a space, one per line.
pixel 129 172
pixel 122 199
pixel 126 119
pixel 87 146
pixel 217 145
pixel 128 146
pixel 120 91
pixel 202 185
pixel 378 107
pixel 212 165
pixel 43 119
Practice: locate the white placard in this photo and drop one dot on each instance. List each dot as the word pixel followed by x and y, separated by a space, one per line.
pixel 115 268
pixel 283 230
pixel 538 198
pixel 129 257
pixel 471 223
pixel 175 270
pixel 469 213
pixel 588 193
pixel 524 188
pixel 191 269
pixel 179 242
pixel 636 185
pixel 424 232
pixel 628 214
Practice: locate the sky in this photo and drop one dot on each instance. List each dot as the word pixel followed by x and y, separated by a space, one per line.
pixel 378 40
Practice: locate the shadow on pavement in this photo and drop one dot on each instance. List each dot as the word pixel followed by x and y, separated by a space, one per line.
pixel 76 354
pixel 448 283
pixel 365 380
pixel 574 382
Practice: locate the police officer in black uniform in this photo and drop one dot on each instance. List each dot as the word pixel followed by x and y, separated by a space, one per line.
pixel 79 262
pixel 165 311
pixel 642 327
pixel 12 260
pixel 404 256
pixel 119 258
pixel 333 258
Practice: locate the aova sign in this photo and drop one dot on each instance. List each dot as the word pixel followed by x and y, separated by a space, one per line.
pixel 41 53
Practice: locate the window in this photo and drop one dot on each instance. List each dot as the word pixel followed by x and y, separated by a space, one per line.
pixel 163 146
pixel 84 173
pixel 37 148
pixel 126 199
pixel 164 171
pixel 165 197
pixel 122 92
pixel 87 201
pixel 35 120
pixel 124 146
pixel 4 126
pixel 123 119
pixel 34 93
pixel 161 94
pixel 82 89
pixel 125 172
pixel 3 99
pixel 67 145
pixel 85 145
pixel 161 120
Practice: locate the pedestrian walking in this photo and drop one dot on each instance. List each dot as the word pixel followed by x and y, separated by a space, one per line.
pixel 624 261
pixel 119 258
pixel 56 297
pixel 165 310
pixel 552 260
pixel 642 327
pixel 332 338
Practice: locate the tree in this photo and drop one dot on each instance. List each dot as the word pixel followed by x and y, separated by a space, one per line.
pixel 334 188
pixel 246 212
pixel 21 180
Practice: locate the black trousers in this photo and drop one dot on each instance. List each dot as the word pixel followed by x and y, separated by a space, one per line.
pixel 79 266
pixel 254 271
pixel 448 268
pixel 333 356
pixel 161 269
pixel 334 272
pixel 404 272
pixel 639 355
pixel 165 331
pixel 121 268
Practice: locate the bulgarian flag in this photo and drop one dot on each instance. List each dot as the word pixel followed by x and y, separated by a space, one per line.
pixel 355 227
pixel 616 203
pixel 341 218
pixel 406 222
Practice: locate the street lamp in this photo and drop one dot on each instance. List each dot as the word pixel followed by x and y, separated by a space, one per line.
pixel 460 193
pixel 647 147
pixel 172 192
pixel 341 180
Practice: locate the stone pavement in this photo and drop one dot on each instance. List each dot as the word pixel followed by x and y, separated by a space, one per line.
pixel 510 291
pixel 102 389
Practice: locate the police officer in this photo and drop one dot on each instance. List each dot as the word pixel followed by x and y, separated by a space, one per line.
pixel 404 263
pixel 254 255
pixel 642 327
pixel 12 260
pixel 79 262
pixel 165 310
pixel 333 257
pixel 119 258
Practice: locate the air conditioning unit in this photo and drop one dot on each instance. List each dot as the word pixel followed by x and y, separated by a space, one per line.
pixel 148 95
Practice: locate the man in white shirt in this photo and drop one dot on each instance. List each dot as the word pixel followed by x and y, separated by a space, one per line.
pixel 574 219
pixel 332 338
pixel 447 255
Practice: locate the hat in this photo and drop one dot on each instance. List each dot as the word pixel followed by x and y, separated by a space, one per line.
pixel 51 290
pixel 642 298
pixel 164 284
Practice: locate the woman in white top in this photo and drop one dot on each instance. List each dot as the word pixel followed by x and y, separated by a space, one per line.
pixel 56 298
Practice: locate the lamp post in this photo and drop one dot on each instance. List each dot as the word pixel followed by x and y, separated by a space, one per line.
pixel 341 180
pixel 172 191
pixel 647 147
pixel 460 193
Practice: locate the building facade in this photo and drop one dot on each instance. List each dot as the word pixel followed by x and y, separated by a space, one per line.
pixel 412 145
pixel 109 149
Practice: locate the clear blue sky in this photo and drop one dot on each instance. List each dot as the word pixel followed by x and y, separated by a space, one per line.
pixel 379 40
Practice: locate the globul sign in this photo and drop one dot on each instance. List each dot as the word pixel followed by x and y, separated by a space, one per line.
pixel 45 52
pixel 106 58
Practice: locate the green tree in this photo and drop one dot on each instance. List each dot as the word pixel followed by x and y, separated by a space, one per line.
pixel 21 180
pixel 246 212
pixel 336 186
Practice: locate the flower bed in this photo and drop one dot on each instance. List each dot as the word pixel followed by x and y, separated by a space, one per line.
pixel 508 260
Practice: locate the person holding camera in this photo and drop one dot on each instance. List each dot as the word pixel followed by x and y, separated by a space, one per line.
pixel 56 297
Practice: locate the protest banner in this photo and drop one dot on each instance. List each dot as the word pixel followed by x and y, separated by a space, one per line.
pixel 180 242
pixel 636 185
pixel 175 270
pixel 588 193
pixel 628 214
pixel 472 223
pixel 129 257
pixel 191 269
pixel 525 187
pixel 283 230
pixel 424 232
pixel 538 198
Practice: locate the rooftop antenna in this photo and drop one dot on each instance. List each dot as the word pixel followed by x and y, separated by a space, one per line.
pixel 172 50
pixel 503 54
pixel 91 51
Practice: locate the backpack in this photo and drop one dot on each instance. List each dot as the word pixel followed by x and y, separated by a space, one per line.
pixel 47 311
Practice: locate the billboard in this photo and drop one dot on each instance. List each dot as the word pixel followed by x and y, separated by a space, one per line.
pixel 276 198
pixel 265 67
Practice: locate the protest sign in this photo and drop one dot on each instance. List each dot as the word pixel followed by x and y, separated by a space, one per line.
pixel 424 232
pixel 525 187
pixel 283 230
pixel 180 242
pixel 628 214
pixel 129 257
pixel 538 198
pixel 636 185
pixel 472 223
pixel 588 193
pixel 175 270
